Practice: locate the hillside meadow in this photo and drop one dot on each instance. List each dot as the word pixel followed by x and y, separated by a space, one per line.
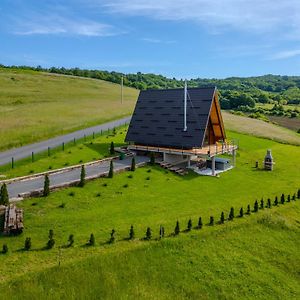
pixel 251 257
pixel 35 106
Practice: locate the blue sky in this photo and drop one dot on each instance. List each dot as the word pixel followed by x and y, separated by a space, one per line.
pixel 182 39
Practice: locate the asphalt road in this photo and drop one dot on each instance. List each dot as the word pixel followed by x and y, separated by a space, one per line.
pixel 25 151
pixel 24 186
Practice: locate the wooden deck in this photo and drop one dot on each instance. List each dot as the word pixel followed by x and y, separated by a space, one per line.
pixel 207 151
pixel 13 221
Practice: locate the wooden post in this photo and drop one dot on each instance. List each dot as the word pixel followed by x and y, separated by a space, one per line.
pixel 12 163
pixel 74 141
pixel 213 166
pixel 32 156
pixel 63 146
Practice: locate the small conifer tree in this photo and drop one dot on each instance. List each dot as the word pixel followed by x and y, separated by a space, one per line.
pixel 189 225
pixel 177 228
pixel 27 245
pixel 152 159
pixel 231 214
pixel 200 223
pixel 222 219
pixel 148 234
pixel 111 170
pixel 132 168
pixel 211 221
pixel 282 199
pixel 262 204
pixel 276 201
pixel 91 241
pixel 46 191
pixel 248 209
pixel 298 194
pixel 112 148
pixel 131 233
pixel 112 237
pixel 51 241
pixel 71 240
pixel 241 212
pixel 4 198
pixel 269 203
pixel 255 206
pixel 4 249
pixel 161 232
pixel 82 177
pixel 294 197
pixel 289 198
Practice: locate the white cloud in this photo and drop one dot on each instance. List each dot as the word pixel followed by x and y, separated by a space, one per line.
pixel 251 15
pixel 157 41
pixel 285 54
pixel 57 25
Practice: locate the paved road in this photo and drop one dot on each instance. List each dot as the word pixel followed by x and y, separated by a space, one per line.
pixel 25 151
pixel 56 179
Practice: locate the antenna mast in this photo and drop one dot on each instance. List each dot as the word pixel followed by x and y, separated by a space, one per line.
pixel 185 102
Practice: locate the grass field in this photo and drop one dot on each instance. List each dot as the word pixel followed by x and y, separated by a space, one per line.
pixel 260 128
pixel 35 106
pixel 230 261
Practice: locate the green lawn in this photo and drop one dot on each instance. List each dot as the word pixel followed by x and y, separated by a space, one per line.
pixel 35 106
pixel 155 198
pixel 81 152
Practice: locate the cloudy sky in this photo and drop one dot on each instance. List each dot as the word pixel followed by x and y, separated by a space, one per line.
pixel 183 39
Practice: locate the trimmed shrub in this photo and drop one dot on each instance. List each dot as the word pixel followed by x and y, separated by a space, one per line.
pixel 148 234
pixel 200 223
pixel 262 204
pixel 189 225
pixel 177 228
pixel 4 198
pixel 161 231
pixel 231 214
pixel 289 198
pixel 112 236
pixel 27 245
pixel 132 168
pixel 269 203
pixel 255 206
pixel 211 221
pixel 91 241
pixel 222 219
pixel 82 177
pixel 294 197
pixel 241 212
pixel 298 194
pixel 131 233
pixel 276 201
pixel 46 191
pixel 111 170
pixel 71 240
pixel 282 199
pixel 4 249
pixel 248 210
pixel 112 148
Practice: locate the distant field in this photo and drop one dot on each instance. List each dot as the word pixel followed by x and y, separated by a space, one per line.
pixel 260 128
pixel 36 106
pixel 290 123
pixel 285 106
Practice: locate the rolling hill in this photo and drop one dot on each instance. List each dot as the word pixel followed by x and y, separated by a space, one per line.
pixel 36 106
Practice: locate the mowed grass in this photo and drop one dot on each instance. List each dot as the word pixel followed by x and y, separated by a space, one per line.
pixel 73 154
pixel 207 264
pixel 255 257
pixel 36 106
pixel 260 128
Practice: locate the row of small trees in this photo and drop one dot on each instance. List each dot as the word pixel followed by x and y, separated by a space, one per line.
pixel 148 235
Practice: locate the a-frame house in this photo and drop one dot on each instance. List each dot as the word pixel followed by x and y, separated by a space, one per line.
pixel 182 124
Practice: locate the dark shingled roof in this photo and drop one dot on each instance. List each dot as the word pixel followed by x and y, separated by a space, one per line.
pixel 158 118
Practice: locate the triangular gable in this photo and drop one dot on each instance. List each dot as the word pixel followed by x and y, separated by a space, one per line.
pixel 215 130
